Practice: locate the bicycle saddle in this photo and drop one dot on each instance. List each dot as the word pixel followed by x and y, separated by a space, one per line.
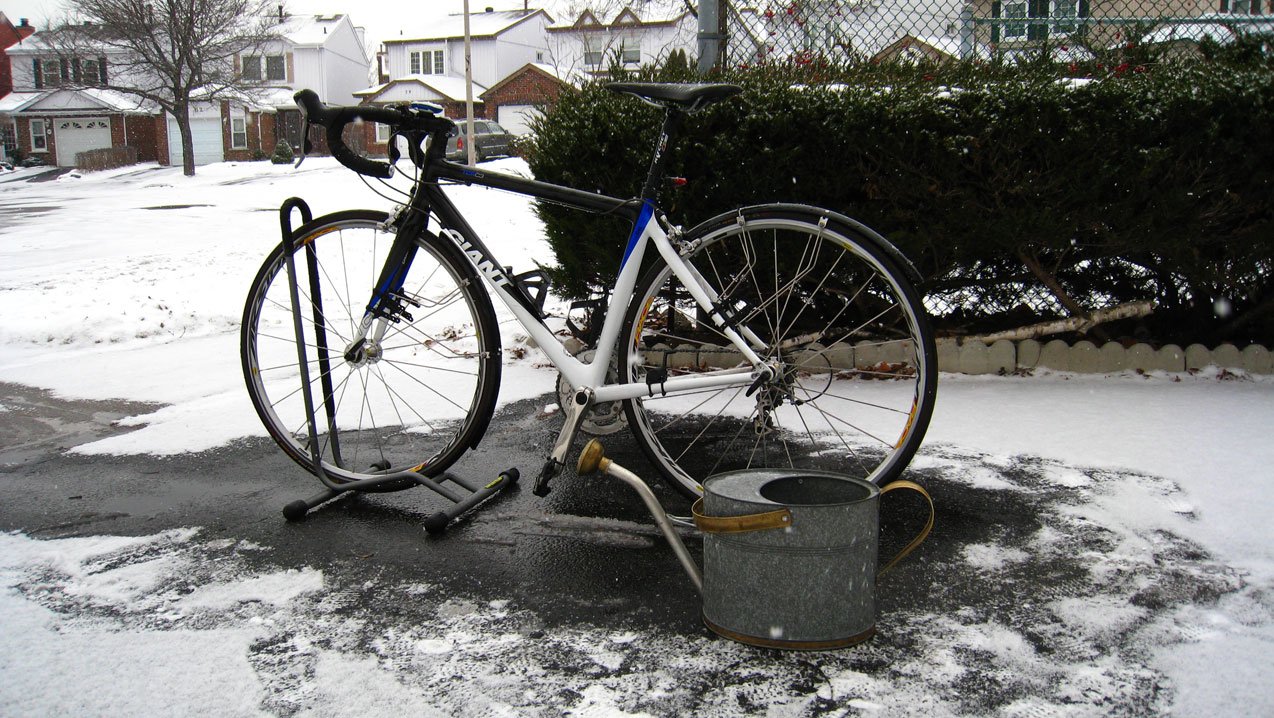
pixel 686 96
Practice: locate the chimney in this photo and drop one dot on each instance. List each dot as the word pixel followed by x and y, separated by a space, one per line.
pixel 22 22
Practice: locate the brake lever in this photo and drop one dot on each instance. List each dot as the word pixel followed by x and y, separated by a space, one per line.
pixel 305 137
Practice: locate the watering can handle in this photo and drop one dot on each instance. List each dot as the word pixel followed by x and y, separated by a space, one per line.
pixel 924 533
pixel 739 524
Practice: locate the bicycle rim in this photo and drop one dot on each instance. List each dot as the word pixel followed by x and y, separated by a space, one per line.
pixel 833 311
pixel 413 401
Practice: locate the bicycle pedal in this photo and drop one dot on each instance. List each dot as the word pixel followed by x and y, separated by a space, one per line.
pixel 541 487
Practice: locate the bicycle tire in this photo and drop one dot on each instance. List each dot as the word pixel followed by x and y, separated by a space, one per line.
pixel 848 328
pixel 415 401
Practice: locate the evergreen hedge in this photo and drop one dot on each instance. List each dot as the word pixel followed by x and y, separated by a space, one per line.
pixel 1136 182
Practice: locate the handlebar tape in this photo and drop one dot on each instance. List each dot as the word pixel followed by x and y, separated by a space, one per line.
pixel 334 120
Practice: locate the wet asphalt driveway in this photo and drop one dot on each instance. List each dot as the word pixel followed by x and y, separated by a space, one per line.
pixel 1019 604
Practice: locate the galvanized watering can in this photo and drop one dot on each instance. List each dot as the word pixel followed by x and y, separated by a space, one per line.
pixel 790 556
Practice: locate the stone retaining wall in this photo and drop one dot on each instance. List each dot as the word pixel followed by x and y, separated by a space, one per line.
pixel 1003 357
pixel 1084 357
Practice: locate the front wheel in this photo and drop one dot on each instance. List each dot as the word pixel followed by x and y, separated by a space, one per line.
pixel 831 309
pixel 413 395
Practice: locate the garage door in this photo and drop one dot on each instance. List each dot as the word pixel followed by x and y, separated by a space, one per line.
pixel 79 134
pixel 517 118
pixel 206 134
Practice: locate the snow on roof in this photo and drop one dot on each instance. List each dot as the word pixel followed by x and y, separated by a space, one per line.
pixel 120 101
pixel 1223 30
pixel 14 101
pixel 87 99
pixel 653 13
pixel 448 86
pixel 272 98
pixel 309 29
pixel 573 76
pixel 481 24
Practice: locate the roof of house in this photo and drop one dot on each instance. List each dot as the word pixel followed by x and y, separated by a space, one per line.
pixel 447 86
pixel 654 14
pixel 15 101
pixel 573 77
pixel 481 25
pixel 87 99
pixel 301 30
pixel 311 30
pixel 1224 30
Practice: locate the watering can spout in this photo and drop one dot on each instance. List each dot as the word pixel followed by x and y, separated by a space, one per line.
pixel 593 459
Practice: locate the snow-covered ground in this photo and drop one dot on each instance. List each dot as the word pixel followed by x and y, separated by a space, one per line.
pixel 130 283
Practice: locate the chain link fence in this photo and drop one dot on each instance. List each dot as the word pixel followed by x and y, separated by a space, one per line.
pixel 936 30
pixel 1069 32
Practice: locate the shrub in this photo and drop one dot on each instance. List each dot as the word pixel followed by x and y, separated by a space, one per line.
pixel 282 153
pixel 1136 183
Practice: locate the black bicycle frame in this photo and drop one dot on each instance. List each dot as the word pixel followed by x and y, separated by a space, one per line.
pixel 428 197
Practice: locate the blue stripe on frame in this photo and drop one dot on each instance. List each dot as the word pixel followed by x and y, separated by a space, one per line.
pixel 647 211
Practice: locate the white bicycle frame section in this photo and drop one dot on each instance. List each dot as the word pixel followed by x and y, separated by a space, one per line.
pixel 592 375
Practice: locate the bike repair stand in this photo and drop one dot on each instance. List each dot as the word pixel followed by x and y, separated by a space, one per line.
pixel 464 495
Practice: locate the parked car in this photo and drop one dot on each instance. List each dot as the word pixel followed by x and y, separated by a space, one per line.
pixel 489 139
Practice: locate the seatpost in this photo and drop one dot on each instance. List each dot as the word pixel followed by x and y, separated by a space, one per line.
pixel 672 123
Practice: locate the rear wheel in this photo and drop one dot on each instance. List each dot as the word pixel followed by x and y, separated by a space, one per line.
pixel 413 399
pixel 836 316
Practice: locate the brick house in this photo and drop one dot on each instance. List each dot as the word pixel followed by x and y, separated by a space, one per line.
pixel 10 35
pixel 518 98
pixel 62 107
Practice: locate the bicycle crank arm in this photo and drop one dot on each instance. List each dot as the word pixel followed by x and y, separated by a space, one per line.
pixel 576 410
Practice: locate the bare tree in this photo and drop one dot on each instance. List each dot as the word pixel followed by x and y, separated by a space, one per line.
pixel 170 52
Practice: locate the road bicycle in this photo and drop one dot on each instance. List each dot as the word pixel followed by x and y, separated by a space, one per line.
pixel 777 335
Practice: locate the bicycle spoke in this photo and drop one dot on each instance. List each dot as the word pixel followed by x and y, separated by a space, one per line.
pixel 380 402
pixel 860 402
pixel 792 279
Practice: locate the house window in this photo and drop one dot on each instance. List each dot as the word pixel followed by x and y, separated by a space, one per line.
pixel 90 72
pixel 1065 15
pixel 428 62
pixel 630 52
pixel 1056 18
pixel 238 133
pixel 382 133
pixel 593 55
pixel 51 72
pixel 1241 7
pixel 9 138
pixel 1014 11
pixel 252 68
pixel 39 143
pixel 275 68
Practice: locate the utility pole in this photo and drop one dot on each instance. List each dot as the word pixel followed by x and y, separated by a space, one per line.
pixel 468 87
pixel 710 33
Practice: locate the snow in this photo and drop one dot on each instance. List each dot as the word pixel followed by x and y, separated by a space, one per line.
pixel 130 285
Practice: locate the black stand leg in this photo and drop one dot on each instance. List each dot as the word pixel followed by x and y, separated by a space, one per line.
pixel 463 494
